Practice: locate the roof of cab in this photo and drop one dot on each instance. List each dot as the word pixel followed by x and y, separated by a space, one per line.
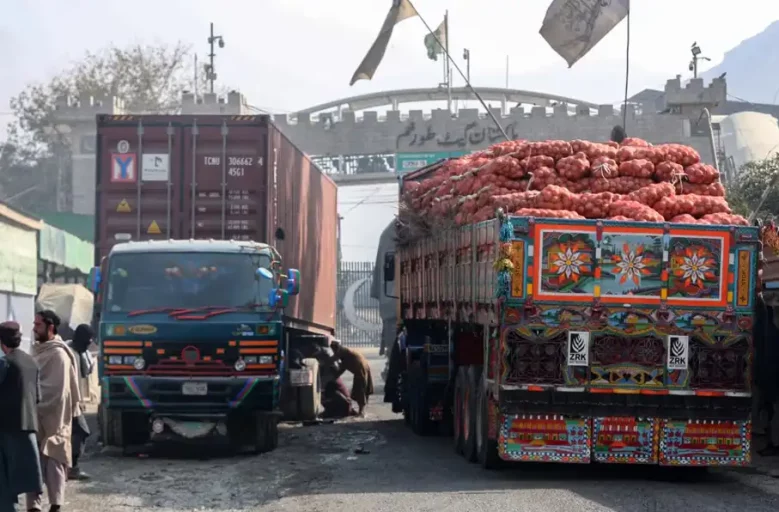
pixel 190 246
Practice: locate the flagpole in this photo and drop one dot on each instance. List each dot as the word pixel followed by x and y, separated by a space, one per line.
pixel 448 65
pixel 460 72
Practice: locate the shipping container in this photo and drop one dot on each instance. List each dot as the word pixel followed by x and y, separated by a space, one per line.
pixel 220 177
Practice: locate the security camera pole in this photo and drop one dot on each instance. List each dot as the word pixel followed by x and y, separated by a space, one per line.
pixel 696 56
pixel 210 71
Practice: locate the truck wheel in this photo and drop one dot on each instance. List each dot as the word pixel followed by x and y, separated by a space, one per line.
pixel 421 423
pixel 309 397
pixel 486 448
pixel 457 413
pixel 469 413
pixel 266 433
pixel 111 427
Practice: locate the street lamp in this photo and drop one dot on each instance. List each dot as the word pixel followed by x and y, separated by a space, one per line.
pixel 696 56
pixel 58 133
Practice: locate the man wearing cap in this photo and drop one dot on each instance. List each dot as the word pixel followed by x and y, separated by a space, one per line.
pixel 20 470
pixel 354 362
pixel 59 404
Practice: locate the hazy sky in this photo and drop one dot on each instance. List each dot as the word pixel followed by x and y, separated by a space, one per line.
pixel 290 54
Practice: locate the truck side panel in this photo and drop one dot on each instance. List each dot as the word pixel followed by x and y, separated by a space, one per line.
pixel 303 204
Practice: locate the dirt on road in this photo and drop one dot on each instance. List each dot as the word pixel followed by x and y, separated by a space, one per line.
pixel 376 464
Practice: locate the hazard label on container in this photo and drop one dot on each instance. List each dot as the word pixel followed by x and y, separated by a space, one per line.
pixel 154 228
pixel 123 207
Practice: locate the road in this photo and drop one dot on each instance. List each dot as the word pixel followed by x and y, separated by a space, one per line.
pixel 316 469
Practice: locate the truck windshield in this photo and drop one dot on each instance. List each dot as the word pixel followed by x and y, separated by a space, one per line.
pixel 142 281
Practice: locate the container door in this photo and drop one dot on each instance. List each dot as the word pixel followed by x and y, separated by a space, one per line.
pixel 139 168
pixel 225 180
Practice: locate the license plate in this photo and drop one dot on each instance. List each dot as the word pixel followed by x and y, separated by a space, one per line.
pixel 301 377
pixel 194 388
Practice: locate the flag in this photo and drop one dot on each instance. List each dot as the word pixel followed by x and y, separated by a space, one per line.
pixel 433 48
pixel 400 10
pixel 573 27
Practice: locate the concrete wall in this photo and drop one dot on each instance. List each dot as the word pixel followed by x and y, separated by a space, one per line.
pixel 435 131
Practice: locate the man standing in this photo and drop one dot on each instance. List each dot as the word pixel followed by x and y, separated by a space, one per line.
pixel 82 339
pixel 20 470
pixel 58 406
pixel 354 362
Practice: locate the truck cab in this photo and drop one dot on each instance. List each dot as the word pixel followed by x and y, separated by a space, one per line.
pixel 192 341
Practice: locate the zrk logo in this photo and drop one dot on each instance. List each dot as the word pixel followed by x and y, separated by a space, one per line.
pixel 677 348
pixel 577 344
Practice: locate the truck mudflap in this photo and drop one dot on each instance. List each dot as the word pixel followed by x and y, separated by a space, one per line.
pixel 202 395
pixel 624 440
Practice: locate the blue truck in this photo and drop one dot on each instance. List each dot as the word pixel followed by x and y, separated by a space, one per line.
pixel 203 328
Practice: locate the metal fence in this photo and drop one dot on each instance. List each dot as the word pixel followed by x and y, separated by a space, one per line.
pixel 358 323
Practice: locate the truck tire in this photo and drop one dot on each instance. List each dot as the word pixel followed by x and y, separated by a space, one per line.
pixel 309 397
pixel 469 413
pixel 266 436
pixel 457 409
pixel 111 427
pixel 419 408
pixel 486 448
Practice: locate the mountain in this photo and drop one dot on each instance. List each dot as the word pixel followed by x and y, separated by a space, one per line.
pixel 752 68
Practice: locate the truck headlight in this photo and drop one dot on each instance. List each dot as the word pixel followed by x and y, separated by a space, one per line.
pixel 240 365
pixel 114 359
pixel 130 359
pixel 266 359
pixel 250 359
pixel 139 364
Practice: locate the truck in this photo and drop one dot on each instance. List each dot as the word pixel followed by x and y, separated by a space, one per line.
pixel 215 278
pixel 520 364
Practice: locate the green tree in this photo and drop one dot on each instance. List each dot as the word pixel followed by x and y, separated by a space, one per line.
pixel 148 78
pixel 752 180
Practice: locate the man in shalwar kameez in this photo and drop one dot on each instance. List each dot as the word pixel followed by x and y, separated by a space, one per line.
pixel 60 397
pixel 20 470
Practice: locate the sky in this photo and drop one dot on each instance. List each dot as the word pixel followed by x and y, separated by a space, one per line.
pixel 285 55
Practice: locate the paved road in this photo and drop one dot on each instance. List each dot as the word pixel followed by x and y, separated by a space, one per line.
pixel 316 469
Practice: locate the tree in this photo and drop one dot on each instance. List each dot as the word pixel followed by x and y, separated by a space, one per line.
pixel 751 182
pixel 148 78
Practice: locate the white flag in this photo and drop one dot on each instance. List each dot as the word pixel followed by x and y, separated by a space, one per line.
pixel 573 27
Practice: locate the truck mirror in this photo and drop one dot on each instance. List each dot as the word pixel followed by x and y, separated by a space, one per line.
pixel 389 267
pixel 279 298
pixel 93 280
pixel 264 273
pixel 293 281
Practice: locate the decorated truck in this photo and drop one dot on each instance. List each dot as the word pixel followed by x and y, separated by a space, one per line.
pixel 216 252
pixel 591 311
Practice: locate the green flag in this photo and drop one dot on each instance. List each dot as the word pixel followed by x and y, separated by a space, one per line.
pixel 434 49
pixel 400 10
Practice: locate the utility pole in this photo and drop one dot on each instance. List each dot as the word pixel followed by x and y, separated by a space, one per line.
pixel 467 57
pixel 696 56
pixel 210 71
pixel 448 64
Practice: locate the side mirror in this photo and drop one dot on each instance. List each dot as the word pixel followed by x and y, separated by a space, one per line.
pixel 279 298
pixel 93 280
pixel 293 281
pixel 389 267
pixel 264 273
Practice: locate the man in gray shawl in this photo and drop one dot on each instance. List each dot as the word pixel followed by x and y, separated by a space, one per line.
pixel 20 468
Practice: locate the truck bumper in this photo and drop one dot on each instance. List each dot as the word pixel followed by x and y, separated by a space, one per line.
pixel 167 395
pixel 623 440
